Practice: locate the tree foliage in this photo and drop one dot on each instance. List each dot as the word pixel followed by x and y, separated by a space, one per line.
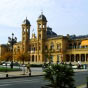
pixel 60 76
pixel 7 56
pixel 23 57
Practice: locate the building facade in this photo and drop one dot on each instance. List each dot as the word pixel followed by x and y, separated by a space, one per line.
pixel 47 46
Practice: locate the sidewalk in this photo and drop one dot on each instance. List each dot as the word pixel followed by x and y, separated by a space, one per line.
pixel 35 72
pixel 80 70
pixel 19 74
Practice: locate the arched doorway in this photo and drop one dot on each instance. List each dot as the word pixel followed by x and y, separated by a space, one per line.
pixel 67 58
pixel 72 58
pixel 82 57
pixel 32 58
pixel 77 57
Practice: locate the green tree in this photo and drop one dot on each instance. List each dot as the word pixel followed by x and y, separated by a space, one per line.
pixel 60 76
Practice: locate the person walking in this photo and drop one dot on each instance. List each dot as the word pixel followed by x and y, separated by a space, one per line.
pixel 28 69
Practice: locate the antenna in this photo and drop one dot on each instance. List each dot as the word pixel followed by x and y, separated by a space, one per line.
pixel 26 17
pixel 42 12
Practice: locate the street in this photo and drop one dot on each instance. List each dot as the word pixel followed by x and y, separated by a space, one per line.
pixel 37 82
pixel 80 78
pixel 31 82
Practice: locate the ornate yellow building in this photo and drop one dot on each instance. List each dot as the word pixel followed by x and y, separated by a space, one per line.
pixel 48 46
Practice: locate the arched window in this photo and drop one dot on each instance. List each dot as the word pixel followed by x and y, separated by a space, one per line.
pixel 43 26
pixel 51 58
pixel 33 58
pixel 52 46
pixel 58 46
pixel 39 26
pixel 27 30
pixel 74 45
pixel 23 30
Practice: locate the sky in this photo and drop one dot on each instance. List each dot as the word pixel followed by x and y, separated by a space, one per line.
pixel 63 16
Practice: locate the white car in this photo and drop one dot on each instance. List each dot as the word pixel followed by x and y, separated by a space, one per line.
pixel 74 67
pixel 8 64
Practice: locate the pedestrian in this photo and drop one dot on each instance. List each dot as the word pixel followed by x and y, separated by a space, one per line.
pixel 11 65
pixel 29 72
pixel 28 67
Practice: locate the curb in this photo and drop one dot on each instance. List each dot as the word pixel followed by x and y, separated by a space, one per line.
pixel 20 77
pixel 80 70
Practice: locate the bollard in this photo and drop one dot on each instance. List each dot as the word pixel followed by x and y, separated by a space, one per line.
pixel 6 75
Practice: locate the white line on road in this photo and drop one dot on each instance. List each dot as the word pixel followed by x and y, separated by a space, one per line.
pixel 5 84
pixel 21 81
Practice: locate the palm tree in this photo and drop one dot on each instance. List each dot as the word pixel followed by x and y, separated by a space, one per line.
pixel 60 76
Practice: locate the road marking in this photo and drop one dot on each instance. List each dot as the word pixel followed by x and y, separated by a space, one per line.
pixel 5 84
pixel 22 81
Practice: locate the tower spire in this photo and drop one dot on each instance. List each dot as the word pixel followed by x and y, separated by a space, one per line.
pixel 41 12
pixel 26 17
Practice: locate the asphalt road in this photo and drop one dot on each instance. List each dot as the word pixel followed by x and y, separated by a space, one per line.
pixel 37 82
pixel 32 82
pixel 80 78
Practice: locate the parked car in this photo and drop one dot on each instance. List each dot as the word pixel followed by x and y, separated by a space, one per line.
pixel 74 66
pixel 6 63
pixel 9 63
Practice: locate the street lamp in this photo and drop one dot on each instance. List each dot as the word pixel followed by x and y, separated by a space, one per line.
pixel 12 40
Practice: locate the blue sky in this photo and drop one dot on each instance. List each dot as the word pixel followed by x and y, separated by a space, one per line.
pixel 64 16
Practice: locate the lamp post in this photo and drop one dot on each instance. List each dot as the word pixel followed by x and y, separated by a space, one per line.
pixel 12 40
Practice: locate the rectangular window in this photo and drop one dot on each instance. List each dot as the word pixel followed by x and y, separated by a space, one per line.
pixel 51 57
pixel 58 46
pixel 46 47
pixel 57 57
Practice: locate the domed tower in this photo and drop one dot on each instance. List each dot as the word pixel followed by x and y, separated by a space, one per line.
pixel 25 35
pixel 41 24
pixel 41 36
